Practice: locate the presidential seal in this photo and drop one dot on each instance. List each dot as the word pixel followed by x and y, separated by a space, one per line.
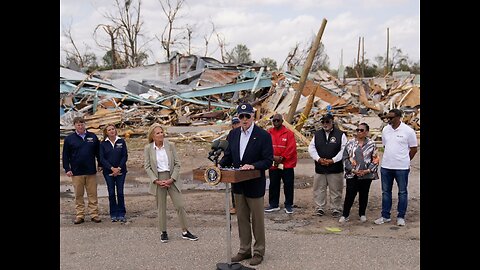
pixel 212 175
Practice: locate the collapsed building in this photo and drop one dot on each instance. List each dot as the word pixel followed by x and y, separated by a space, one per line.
pixel 195 91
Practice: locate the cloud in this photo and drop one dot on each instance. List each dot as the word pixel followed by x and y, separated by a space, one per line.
pixel 378 4
pixel 269 28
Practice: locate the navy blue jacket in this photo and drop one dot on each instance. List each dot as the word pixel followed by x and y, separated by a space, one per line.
pixel 79 154
pixel 259 153
pixel 113 156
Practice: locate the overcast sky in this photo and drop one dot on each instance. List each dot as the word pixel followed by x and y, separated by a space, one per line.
pixel 269 28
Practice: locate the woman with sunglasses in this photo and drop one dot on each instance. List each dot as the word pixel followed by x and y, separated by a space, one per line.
pixel 360 158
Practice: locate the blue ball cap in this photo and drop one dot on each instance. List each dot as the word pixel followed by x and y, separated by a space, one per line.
pixel 235 120
pixel 327 116
pixel 244 108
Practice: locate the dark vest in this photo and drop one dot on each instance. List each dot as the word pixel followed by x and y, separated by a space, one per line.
pixel 328 148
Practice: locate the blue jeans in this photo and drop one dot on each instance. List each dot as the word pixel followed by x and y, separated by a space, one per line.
pixel 116 202
pixel 401 176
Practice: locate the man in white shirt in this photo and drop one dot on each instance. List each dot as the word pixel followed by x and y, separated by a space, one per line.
pixel 400 146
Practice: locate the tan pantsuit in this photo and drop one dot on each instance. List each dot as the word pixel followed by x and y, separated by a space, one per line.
pixel 80 183
pixel 177 200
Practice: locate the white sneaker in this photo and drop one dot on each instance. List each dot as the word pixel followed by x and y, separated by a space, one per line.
pixel 343 219
pixel 400 221
pixel 363 218
pixel 382 220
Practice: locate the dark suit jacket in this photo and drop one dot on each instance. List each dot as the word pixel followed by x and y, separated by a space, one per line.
pixel 259 153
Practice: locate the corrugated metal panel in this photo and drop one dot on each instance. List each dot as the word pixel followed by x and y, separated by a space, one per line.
pixel 245 85
pixel 217 77
pixel 120 77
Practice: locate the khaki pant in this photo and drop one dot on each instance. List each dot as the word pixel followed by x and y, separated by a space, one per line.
pixel 80 184
pixel 250 208
pixel 334 181
pixel 177 200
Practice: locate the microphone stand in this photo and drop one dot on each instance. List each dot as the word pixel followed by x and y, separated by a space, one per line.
pixel 228 265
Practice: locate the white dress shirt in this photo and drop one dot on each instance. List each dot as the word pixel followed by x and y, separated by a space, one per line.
pixel 162 158
pixel 244 137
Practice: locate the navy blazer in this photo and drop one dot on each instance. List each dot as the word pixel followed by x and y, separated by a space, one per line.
pixel 113 156
pixel 259 153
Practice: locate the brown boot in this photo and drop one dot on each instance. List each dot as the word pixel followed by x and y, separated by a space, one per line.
pixel 256 260
pixel 96 219
pixel 240 257
pixel 78 220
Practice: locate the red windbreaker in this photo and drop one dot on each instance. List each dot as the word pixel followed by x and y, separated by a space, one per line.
pixel 285 145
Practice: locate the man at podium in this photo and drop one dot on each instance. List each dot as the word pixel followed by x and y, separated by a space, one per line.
pixel 249 148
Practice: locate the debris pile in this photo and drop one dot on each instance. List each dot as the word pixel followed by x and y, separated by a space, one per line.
pixel 193 91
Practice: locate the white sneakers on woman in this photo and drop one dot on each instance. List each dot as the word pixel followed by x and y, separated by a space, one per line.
pixel 343 219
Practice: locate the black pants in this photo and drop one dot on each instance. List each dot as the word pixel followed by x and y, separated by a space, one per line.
pixel 274 188
pixel 354 186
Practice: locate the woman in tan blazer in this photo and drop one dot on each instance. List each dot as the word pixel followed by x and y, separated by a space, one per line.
pixel 163 168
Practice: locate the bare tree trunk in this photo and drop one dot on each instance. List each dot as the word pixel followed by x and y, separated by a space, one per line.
pixel 112 33
pixel 221 44
pixel 171 13
pixel 306 70
pixel 129 24
pixel 388 45
pixel 189 38
pixel 207 38
pixel 290 57
pixel 114 53
pixel 363 57
pixel 358 52
pixel 76 53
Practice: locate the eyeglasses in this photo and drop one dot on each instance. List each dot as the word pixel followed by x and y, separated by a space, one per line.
pixel 276 120
pixel 360 130
pixel 244 115
pixel 325 121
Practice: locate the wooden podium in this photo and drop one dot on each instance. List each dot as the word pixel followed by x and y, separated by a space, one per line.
pixel 228 176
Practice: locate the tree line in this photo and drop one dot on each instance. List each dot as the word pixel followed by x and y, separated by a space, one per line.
pixel 123 40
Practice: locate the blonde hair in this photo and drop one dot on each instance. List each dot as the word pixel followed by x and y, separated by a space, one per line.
pixel 105 136
pixel 150 131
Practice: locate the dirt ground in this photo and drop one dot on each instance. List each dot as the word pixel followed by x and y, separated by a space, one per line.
pixel 205 204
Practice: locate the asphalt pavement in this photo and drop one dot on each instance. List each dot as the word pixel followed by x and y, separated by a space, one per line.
pixel 93 247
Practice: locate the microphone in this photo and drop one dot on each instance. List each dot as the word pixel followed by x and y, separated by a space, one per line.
pixel 217 148
pixel 222 146
pixel 214 147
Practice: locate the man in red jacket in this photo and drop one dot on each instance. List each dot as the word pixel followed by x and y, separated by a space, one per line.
pixel 284 160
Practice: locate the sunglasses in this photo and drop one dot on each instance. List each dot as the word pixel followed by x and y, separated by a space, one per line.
pixel 325 121
pixel 391 117
pixel 360 130
pixel 244 115
pixel 276 120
